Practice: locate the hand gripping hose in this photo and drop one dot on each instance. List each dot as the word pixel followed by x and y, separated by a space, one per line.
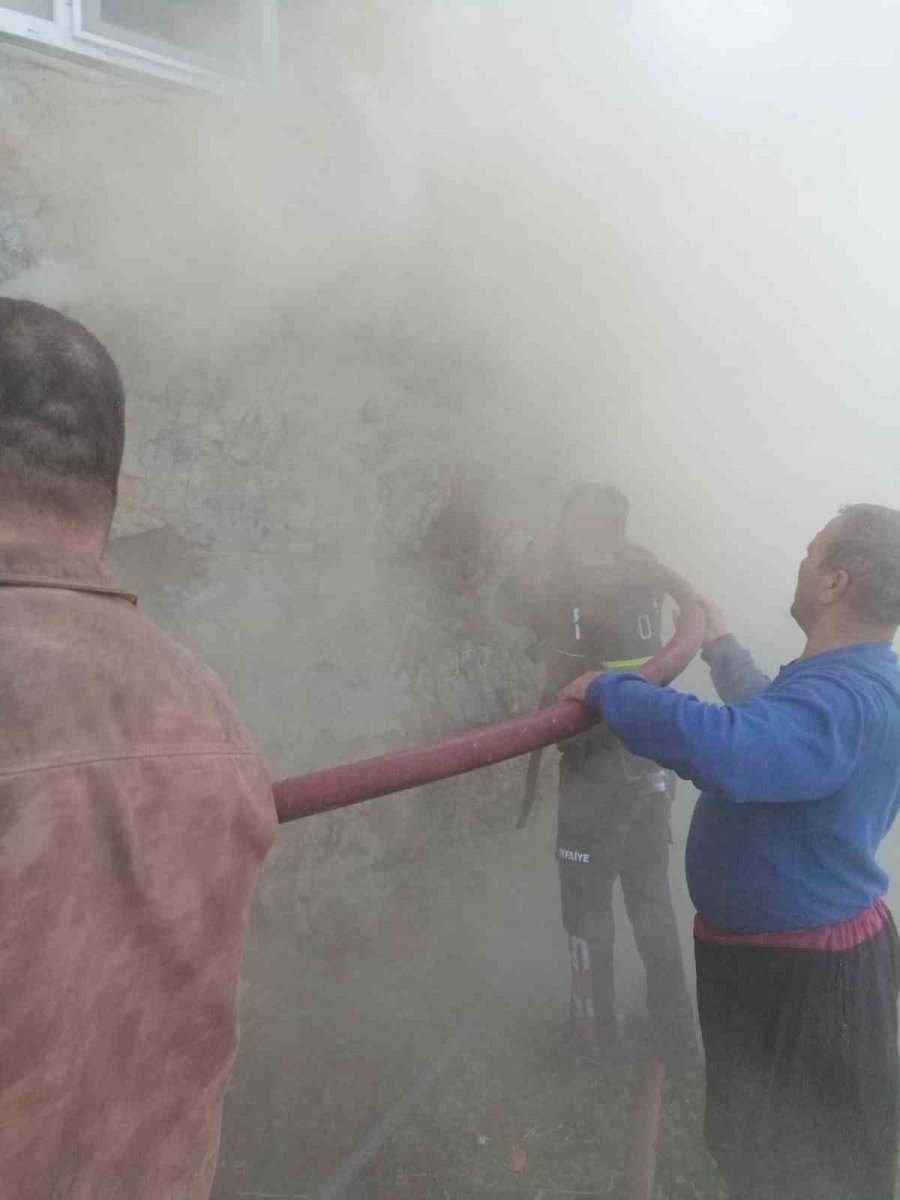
pixel 339 787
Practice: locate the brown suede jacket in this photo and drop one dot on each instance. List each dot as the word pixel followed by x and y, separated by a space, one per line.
pixel 134 819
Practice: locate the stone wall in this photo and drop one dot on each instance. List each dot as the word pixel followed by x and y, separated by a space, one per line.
pixel 311 496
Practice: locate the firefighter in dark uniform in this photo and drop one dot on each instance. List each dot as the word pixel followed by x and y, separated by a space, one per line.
pixel 589 598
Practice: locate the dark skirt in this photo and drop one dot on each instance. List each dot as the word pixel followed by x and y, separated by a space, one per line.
pixel 802 1068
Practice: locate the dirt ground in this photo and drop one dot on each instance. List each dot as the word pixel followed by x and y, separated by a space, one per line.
pixel 515 1118
pixel 333 1039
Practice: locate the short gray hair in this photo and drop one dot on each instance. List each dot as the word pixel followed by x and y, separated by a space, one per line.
pixel 867 547
pixel 62 415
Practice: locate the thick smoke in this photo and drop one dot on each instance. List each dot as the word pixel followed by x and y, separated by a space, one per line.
pixel 664 233
pixel 469 252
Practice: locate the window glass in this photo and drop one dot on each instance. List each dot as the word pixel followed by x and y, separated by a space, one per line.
pixel 198 30
pixel 32 8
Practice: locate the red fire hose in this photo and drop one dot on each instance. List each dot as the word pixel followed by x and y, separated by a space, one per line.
pixel 338 787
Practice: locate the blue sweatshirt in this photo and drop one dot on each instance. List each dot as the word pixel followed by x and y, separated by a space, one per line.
pixel 799 779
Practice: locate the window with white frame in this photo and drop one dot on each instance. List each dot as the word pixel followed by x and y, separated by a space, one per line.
pixel 205 42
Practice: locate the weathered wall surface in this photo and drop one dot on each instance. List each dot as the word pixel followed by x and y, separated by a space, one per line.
pixel 310 496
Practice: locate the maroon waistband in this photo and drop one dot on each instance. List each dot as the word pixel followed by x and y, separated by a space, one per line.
pixel 842 936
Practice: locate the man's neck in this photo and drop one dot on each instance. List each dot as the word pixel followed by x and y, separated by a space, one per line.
pixel 82 540
pixel 839 636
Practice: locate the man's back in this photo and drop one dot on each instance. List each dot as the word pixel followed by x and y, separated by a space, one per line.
pixel 134 818
pixel 803 854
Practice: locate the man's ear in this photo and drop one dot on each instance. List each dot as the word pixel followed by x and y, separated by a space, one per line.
pixel 836 588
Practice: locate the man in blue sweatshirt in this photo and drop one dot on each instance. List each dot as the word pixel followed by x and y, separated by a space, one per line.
pixel 798 962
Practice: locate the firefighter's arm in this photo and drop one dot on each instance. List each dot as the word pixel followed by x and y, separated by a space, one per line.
pixel 642 567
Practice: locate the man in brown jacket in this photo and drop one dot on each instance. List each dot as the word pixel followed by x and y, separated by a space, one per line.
pixel 134 818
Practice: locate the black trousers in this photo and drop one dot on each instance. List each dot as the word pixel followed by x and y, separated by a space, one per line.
pixel 802 1068
pixel 641 862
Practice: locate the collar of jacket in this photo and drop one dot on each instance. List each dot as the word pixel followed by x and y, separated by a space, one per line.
pixel 32 565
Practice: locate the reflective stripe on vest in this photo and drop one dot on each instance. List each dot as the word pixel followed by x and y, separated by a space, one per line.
pixel 626 664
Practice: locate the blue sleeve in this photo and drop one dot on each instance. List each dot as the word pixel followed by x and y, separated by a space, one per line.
pixel 799 741
pixel 734 674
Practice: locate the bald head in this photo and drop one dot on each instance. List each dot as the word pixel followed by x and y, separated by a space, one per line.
pixel 61 418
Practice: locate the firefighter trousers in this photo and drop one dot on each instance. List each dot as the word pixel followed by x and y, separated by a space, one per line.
pixel 587 913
